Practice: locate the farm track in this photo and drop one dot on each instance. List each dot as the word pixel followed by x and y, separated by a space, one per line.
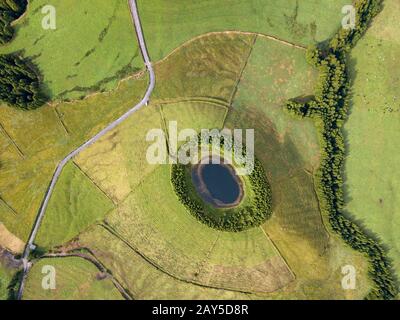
pixel 90 258
pixel 111 126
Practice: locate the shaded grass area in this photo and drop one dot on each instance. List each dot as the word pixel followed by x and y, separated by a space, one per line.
pixel 76 279
pixel 75 205
pixel 372 131
pixel 169 24
pixel 92 48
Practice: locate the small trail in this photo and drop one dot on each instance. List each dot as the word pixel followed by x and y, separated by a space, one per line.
pixel 127 295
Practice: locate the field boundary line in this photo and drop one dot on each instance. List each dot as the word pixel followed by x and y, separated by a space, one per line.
pixel 109 229
pixel 61 120
pixel 164 125
pixel 93 260
pixel 323 217
pixel 94 183
pixel 280 255
pixel 229 32
pixel 241 71
pixel 214 101
pixel 207 257
pixel 8 206
pixel 19 151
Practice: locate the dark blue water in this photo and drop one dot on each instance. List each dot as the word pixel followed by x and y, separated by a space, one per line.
pixel 222 186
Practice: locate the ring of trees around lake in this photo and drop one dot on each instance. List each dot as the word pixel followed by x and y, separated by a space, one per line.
pixel 251 210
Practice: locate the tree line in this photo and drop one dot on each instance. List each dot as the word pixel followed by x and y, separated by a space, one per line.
pixel 331 105
pixel 254 213
pixel 10 10
pixel 20 84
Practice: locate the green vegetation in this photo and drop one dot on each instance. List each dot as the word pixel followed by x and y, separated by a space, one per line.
pixel 170 240
pixel 141 277
pixel 149 241
pixel 92 48
pixel 76 279
pixel 331 106
pixel 5 280
pixel 207 68
pixel 174 255
pixel 169 244
pixel 10 10
pixel 19 83
pixel 372 131
pixel 299 21
pixel 34 142
pixel 289 150
pixel 251 213
pixel 75 205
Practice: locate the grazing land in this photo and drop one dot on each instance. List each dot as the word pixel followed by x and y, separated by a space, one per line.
pixel 170 24
pixel 372 132
pixel 76 279
pixel 267 261
pixel 35 141
pixel 115 228
pixel 92 48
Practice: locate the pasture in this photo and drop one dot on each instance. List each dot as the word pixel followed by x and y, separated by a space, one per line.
pixel 33 143
pixel 168 25
pixel 92 48
pixel 372 132
pixel 293 255
pixel 124 209
pixel 75 279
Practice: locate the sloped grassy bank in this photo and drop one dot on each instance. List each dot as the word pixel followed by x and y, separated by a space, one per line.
pixel 330 108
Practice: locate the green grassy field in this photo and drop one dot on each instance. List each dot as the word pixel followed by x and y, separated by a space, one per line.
pixel 207 67
pixel 75 204
pixel 150 234
pixel 144 280
pixel 168 25
pixel 149 242
pixel 372 131
pixel 289 150
pixel 5 278
pixel 34 142
pixel 92 48
pixel 172 239
pixel 76 279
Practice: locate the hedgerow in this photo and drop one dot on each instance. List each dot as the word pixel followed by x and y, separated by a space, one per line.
pixel 330 105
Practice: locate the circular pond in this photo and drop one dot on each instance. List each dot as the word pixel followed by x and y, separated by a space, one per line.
pixel 217 184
